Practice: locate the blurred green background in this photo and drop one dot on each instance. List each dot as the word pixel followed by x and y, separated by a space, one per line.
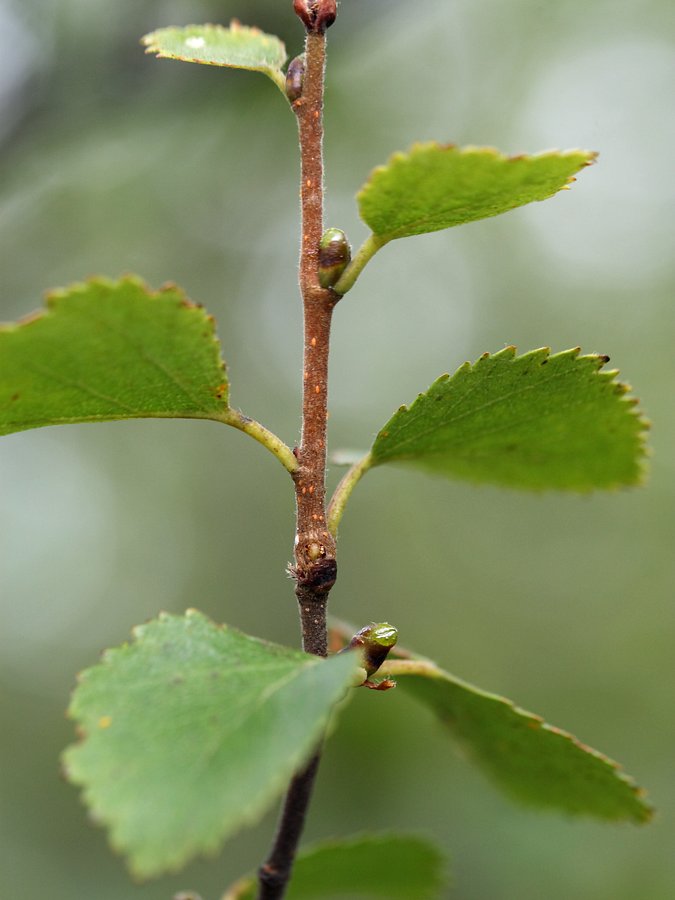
pixel 110 162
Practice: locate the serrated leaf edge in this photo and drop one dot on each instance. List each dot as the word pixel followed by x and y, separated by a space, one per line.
pixel 421 147
pixel 227 414
pixel 149 41
pixel 428 669
pixel 255 810
pixel 56 297
pixel 543 355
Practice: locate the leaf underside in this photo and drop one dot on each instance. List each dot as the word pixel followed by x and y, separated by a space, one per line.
pixel 535 763
pixel 394 867
pixel 536 421
pixel 109 350
pixel 436 186
pixel 237 47
pixel 191 731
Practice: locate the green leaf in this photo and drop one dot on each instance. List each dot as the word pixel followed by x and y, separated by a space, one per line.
pixel 436 186
pixel 236 47
pixel 535 763
pixel 536 421
pixel 110 350
pixel 191 731
pixel 396 867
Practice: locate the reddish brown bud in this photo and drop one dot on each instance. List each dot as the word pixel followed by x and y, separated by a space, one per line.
pixel 326 14
pixel 301 8
pixel 317 15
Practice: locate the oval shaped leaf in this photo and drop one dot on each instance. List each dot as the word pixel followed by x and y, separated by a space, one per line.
pixel 110 350
pixel 532 761
pixel 191 731
pixel 236 47
pixel 436 186
pixel 537 421
pixel 393 866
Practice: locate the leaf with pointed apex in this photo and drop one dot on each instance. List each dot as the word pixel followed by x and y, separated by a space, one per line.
pixel 436 186
pixel 109 350
pixel 237 47
pixel 535 763
pixel 191 731
pixel 392 866
pixel 536 421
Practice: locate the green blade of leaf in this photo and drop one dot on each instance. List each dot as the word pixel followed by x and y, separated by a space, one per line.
pixel 236 47
pixel 396 867
pixel 110 350
pixel 191 731
pixel 537 421
pixel 436 186
pixel 533 762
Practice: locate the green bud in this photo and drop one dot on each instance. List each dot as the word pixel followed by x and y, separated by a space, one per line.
pixel 335 255
pixel 375 641
pixel 295 76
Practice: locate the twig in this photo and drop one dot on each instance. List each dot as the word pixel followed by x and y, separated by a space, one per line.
pixel 275 874
pixel 315 567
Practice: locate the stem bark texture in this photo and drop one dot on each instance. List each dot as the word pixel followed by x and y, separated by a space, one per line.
pixel 314 569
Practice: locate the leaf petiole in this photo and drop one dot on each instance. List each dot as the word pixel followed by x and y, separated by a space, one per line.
pixel 263 435
pixel 343 491
pixel 367 250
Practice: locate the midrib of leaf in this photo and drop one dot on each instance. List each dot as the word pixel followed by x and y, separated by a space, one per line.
pixel 147 357
pixel 487 196
pixel 100 395
pixel 273 689
pixel 402 231
pixel 85 388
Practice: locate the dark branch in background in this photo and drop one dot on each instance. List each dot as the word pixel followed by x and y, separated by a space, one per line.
pixel 275 874
pixel 315 567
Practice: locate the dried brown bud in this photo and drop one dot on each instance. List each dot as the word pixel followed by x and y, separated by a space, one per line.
pixel 295 76
pixel 317 15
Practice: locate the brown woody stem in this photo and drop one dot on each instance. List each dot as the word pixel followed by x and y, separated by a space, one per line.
pixel 315 567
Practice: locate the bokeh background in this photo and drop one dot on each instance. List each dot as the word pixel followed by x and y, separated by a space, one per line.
pixel 110 162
